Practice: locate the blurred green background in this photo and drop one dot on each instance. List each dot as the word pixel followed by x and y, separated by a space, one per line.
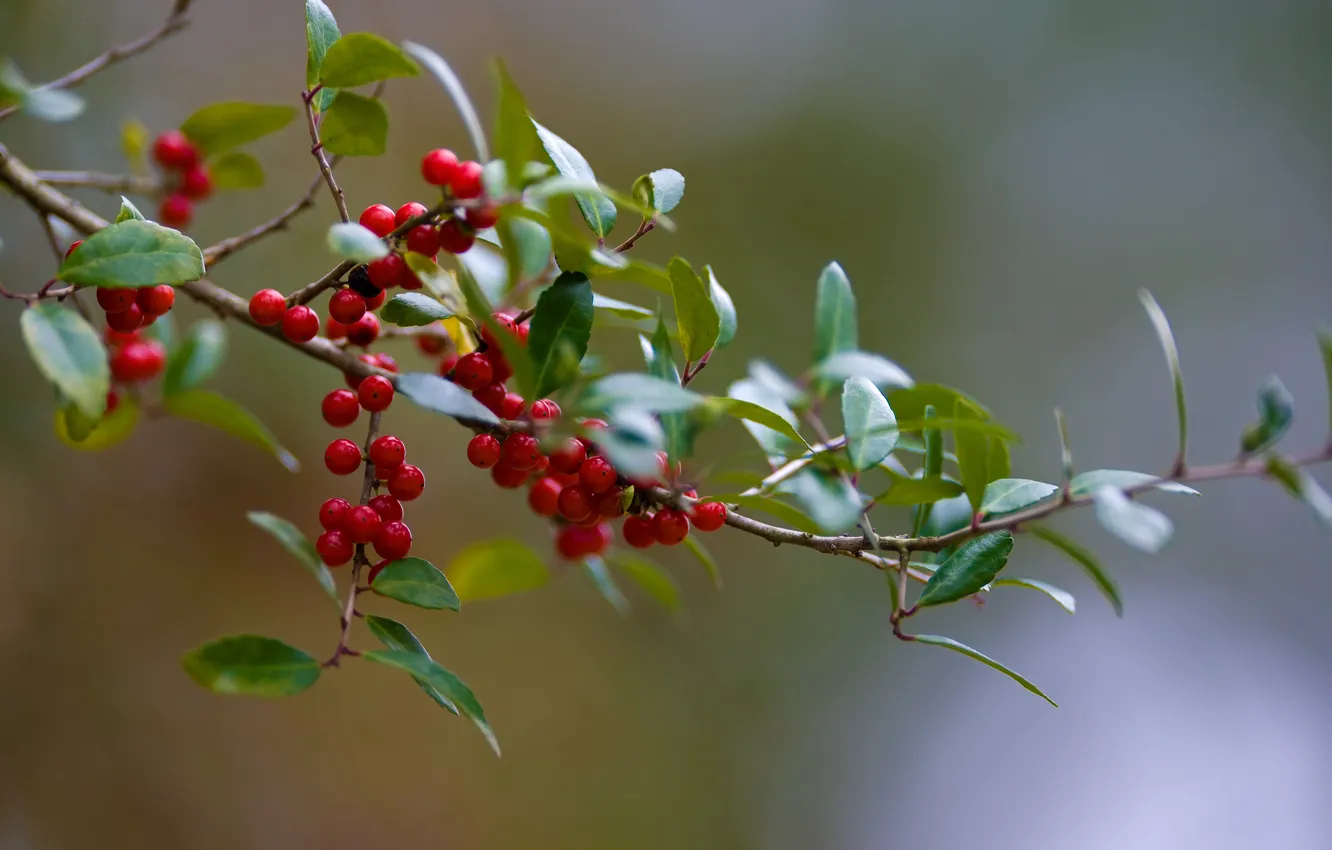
pixel 998 179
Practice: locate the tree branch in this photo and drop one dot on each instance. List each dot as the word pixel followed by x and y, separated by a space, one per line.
pixel 317 150
pixel 117 184
pixel 217 253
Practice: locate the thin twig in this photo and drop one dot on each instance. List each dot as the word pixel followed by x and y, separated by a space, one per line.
pixel 117 184
pixel 359 559
pixel 217 253
pixel 317 150
pixel 644 228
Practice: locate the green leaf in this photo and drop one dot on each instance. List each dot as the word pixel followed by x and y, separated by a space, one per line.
pixel 597 209
pixel 321 31
pixel 560 329
pixel 1276 409
pixel 128 211
pixel 69 353
pixel 45 104
pixel 236 170
pixel 704 557
pixel 208 408
pixel 514 136
pixel 726 315
pixel 1000 466
pixel 660 359
pixel 1300 484
pixel 880 371
pixel 79 432
pixel 910 402
pixel 351 241
pixel 661 189
pixel 968 570
pixel 1082 557
pixel 413 310
pixel 1064 599
pixel 251 665
pixel 300 548
pixel 643 392
pixel 134 141
pixel 834 315
pixel 524 375
pixel 526 245
pixel 773 443
pixel 1141 527
pixel 829 499
pixel 918 491
pixel 597 573
pixel 417 582
pixel 449 685
pixel 360 58
pixel 489 569
pixel 956 646
pixel 777 384
pixel 441 71
pixel 1122 479
pixel 748 411
pixel 397 637
pixel 134 253
pixel 947 516
pixel 973 454
pixel 1325 346
pixel 355 126
pixel 650 577
pixel 1162 327
pixel 197 359
pixel 1006 495
pixel 695 313
pixel 220 127
pixel 871 433
pixel 632 442
pixel 623 309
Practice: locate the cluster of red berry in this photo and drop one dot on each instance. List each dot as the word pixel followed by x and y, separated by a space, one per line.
pixel 188 178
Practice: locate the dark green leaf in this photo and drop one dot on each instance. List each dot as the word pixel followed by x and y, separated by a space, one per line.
pixel 449 686
pixel 973 454
pixel 721 299
pixel 660 359
pixel 250 665
pixel 417 582
pixel 644 392
pixel 69 353
pixel 236 170
pixel 220 127
pixel 321 30
pixel 834 315
pixel 597 573
pixel 653 580
pixel 355 126
pixel 1162 326
pixel 300 548
pixel 871 432
pixel 1088 482
pixel 881 371
pixel 748 411
pixel 696 315
pixel 1006 495
pixel 79 432
pixel 220 412
pixel 489 569
pixel 197 359
pixel 397 637
pixel 999 463
pixel 1059 595
pixel 449 80
pixel 134 253
pixel 949 643
pixel 968 570
pixel 597 209
pixel 829 499
pixel 918 491
pixel 1276 409
pixel 413 310
pixel 128 211
pixel 360 58
pixel 1300 484
pixel 1141 527
pixel 1104 582
pixel 561 327
pixel 514 136
pixel 661 189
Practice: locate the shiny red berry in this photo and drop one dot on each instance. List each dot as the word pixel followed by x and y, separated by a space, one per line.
pixel 346 306
pixel 456 237
pixel 407 483
pixel 173 150
pixel 197 183
pixel 507 477
pixel 609 504
pixel 521 451
pixel 569 457
pixel 138 361
pixel 408 279
pixel 388 508
pixel 482 217
pixel 156 300
pixel 335 548
pixel 127 320
pixel 483 451
pixel 340 408
pixel 708 516
pixel 473 371
pixel 378 219
pixel 387 452
pixel 446 365
pixel 300 324
pixel 70 250
pixel 512 407
pixel 409 211
pixel 423 239
pixel 112 401
pixel 374 302
pixel 431 345
pixel 374 571
pixel 393 541
pixel 544 496
pixel 384 473
pixel 670 526
pixel 386 271
pixel 333 329
pixel 466 183
pixel 115 338
pixel 332 514
pixel 176 211
pixel 638 531
pixel 115 299
pixel 544 408
pixel 386 362
pixel 491 395
pixel 575 503
pixel 267 307
pixel 597 474
pixel 364 331
pixel 375 393
pixel 575 542
pixel 362 523
pixel 438 166
pixel 342 457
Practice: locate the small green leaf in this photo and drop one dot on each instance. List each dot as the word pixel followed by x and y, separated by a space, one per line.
pixel 220 127
pixel 1141 527
pixel 128 211
pixel 560 329
pixel 1162 326
pixel 434 393
pixel 871 433
pixel 441 71
pixel 910 402
pixel 514 136
pixel 834 315
pixel 948 515
pixel 413 310
pixel 197 359
pixel 829 499
pixel 134 253
pixel 650 577
pixel 773 442
pixel 1088 482
pixel 69 353
pixel 355 126
pixel 43 103
pixel 704 557
pixel 696 315
pixel 1062 597
pixel 632 442
pixel 973 454
pixel 300 548
pixel 597 210
pixel 968 570
pixel 417 582
pixel 721 299
pixel 351 241
pixel 956 646
pixel 661 189
pixel 251 665
pixel 1006 495
pixel 236 170
pixel 79 432
pixel 643 392
pixel 526 245
pixel 134 141
pixel 489 569
pixel 449 686
pixel 623 309
pixel 397 637
pixel 918 491
pixel 220 412
pixel 597 573
pixel 880 371
pixel 1276 409
pixel 660 359
pixel 748 411
pixel 1082 557
pixel 360 58
pixel 1300 484
pixel 321 31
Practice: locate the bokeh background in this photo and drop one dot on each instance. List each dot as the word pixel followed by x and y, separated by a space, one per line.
pixel 997 178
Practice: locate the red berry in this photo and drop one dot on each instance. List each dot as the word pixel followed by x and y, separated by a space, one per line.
pixel 407 278
pixel 456 237
pixel 438 166
pixel 378 219
pixel 386 271
pixel 332 514
pixel 503 371
pixel 512 407
pixel 545 409
pixel 466 182
pixel 176 211
pixel 407 483
pixel 112 401
pixel 575 503
pixel 393 541
pixel 385 362
pixel 544 496
pixel 387 452
pixel 431 345
pixel 384 473
pixel 521 451
pixel 375 393
pixel 197 183
pixel 126 320
pixel 156 300
pixel 267 307
pixel 300 324
pixel 364 331
pixel 173 150
pixel 423 239
pixel 523 331
pixel 70 250
pixel 334 548
pixel 340 408
pixel 638 531
pixel 354 381
pixel 569 457
pixel 507 477
pixel 409 211
pixel 116 299
pixel 708 516
pixel 362 524
pixel 483 451
pixel 375 301
pixel 342 457
pixel 505 324
pixel 473 371
pixel 576 542
pixel 333 329
pixel 374 571
pixel 482 217
pixel 138 361
pixel 670 526
pixel 597 474
pixel 388 508
pixel 609 504
pixel 115 338
pixel 346 306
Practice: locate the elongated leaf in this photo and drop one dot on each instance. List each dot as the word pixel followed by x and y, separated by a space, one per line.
pixel 449 685
pixel 299 547
pixel 957 646
pixel 773 442
pixel 41 102
pixel 644 392
pixel 1122 479
pixel 69 354
pixel 413 310
pixel 236 170
pixel 321 30
pixel 918 491
pixel 704 557
pixel 910 402
pixel 1090 565
pixel 208 408
pixel 251 665
pixel 560 330
pixel 1300 484
pixel 660 359
pixel 489 569
pixel 128 211
pixel 1000 466
pixel 197 359
pixel 623 309
pixel 1276 410
pixel 596 209
pixel 526 245
pixel 220 127
pixel 834 315
pixel 632 442
pixel 600 576
pixel 1141 527
pixel 434 393
pixel 879 370
pixel 441 71
pixel 1059 595
pixel 514 136
pixel 1162 327
pixel 973 455
pixel 695 314
pixel 777 384
pixel 871 433
pixel 650 577
pixel 397 637
pixel 417 582
pixel 1325 346
pixel 661 189
pixel 79 432
pixel 968 570
pixel 355 126
pixel 748 411
pixel 134 253
pixel 1013 494
pixel 360 58
pixel 831 501
pixel 726 315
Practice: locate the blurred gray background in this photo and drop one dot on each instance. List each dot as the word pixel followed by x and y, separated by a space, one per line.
pixel 998 179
